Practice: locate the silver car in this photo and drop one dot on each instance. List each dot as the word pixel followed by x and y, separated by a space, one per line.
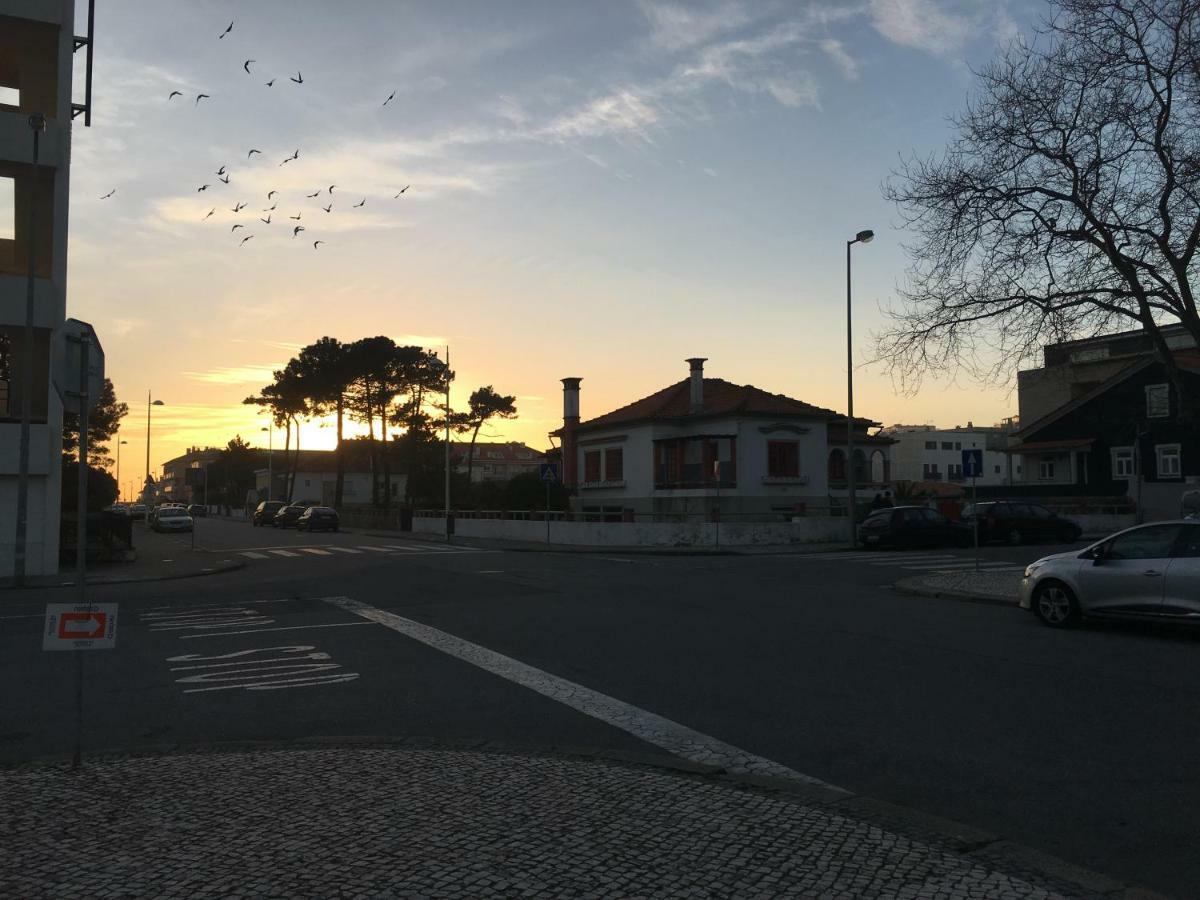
pixel 1150 571
pixel 172 518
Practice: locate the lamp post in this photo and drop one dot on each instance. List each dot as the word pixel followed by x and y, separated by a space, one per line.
pixel 863 237
pixel 119 443
pixel 149 405
pixel 270 453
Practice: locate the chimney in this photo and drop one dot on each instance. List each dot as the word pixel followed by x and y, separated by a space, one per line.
pixel 697 383
pixel 570 452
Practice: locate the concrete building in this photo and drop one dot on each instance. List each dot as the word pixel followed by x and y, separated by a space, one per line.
pixel 316 477
pixel 704 444
pixel 497 461
pixel 929 453
pixel 177 485
pixel 37 43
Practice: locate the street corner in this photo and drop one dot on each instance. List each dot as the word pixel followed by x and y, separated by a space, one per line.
pixel 998 588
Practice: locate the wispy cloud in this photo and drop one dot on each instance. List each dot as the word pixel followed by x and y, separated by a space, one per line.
pixel 921 24
pixel 247 374
pixel 675 26
pixel 836 52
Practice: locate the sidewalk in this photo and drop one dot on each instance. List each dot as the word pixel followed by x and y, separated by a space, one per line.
pixel 980 587
pixel 398 819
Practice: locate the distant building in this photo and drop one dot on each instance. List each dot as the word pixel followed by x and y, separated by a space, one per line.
pixel 497 461
pixel 177 484
pixel 316 477
pixel 928 453
pixel 705 443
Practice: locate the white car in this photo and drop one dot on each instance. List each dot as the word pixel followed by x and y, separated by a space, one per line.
pixel 1150 571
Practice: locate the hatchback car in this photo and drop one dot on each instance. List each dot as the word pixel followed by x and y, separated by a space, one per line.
pixel 911 526
pixel 1019 523
pixel 1150 571
pixel 286 517
pixel 172 518
pixel 197 509
pixel 318 518
pixel 264 514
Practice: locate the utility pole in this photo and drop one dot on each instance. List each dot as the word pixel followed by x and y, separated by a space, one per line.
pixel 447 466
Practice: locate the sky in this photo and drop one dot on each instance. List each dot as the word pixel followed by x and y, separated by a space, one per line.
pixel 595 189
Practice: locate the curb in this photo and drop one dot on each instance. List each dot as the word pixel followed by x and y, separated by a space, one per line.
pixel 783 550
pixel 218 569
pixel 966 841
pixel 914 587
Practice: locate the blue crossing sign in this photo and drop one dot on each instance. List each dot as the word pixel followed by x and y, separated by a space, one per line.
pixel 548 471
pixel 972 463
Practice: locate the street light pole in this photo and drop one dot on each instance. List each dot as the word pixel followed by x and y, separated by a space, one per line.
pixel 270 454
pixel 119 443
pixel 863 237
pixel 149 403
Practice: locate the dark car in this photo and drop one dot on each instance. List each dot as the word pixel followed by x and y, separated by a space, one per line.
pixel 265 513
pixel 286 517
pixel 318 518
pixel 911 526
pixel 1015 522
pixel 197 509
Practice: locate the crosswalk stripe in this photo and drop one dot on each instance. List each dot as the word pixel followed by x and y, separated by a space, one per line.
pixel 284 553
pixel 945 567
pixel 376 549
pixel 409 547
pixel 254 555
pixel 344 549
pixel 315 551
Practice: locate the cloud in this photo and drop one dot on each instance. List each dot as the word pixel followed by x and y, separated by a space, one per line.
pixel 837 54
pixel 435 341
pixel 674 26
pixel 621 112
pixel 247 374
pixel 920 24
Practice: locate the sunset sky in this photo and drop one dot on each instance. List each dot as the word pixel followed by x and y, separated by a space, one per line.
pixel 597 189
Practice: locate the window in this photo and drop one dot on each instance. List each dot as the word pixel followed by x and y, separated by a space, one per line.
pixel 931 445
pixel 1046 469
pixel 997 470
pixel 1158 401
pixel 1122 462
pixel 9 96
pixel 1151 542
pixel 1189 546
pixel 8 207
pixel 591 466
pixel 956 472
pixel 1169 465
pixel 947 445
pixel 783 459
pixel 837 465
pixel 614 464
pixel 929 472
pixel 692 462
pixel 958 445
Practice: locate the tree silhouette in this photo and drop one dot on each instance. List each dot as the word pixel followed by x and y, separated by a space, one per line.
pixel 103 421
pixel 484 404
pixel 324 371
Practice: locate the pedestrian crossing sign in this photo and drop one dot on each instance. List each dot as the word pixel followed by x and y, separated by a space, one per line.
pixel 548 471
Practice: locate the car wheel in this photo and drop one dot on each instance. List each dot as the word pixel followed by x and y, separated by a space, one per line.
pixel 1015 537
pixel 1055 605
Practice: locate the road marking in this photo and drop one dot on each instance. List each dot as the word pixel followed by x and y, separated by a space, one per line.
pixel 376 549
pixel 409 547
pixel 253 554
pixel 185 637
pixel 654 729
pixel 490 572
pixel 947 567
pixel 315 551
pixel 344 549
pixel 229 671
pixel 284 553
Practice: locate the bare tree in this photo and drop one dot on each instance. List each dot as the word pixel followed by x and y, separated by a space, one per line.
pixel 1068 205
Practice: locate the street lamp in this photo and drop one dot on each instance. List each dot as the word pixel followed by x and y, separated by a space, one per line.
pixel 270 453
pixel 149 404
pixel 119 443
pixel 863 237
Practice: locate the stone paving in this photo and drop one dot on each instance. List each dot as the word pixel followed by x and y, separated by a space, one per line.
pixel 998 586
pixel 379 821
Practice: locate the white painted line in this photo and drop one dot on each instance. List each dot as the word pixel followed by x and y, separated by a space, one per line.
pixel 253 554
pixel 284 553
pixel 946 567
pixel 376 549
pixel 409 547
pixel 654 729
pixel 315 551
pixel 185 637
pixel 343 549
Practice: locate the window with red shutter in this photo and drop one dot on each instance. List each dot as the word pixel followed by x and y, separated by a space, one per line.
pixel 783 459
pixel 591 466
pixel 614 464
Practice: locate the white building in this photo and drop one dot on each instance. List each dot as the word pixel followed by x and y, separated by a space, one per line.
pixel 928 453
pixel 36 48
pixel 706 443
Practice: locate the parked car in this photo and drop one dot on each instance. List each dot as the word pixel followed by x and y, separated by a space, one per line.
pixel 911 526
pixel 1018 523
pixel 318 518
pixel 137 511
pixel 197 509
pixel 286 517
pixel 1149 571
pixel 264 513
pixel 172 518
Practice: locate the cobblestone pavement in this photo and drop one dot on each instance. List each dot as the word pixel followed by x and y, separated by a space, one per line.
pixel 998 586
pixel 378 821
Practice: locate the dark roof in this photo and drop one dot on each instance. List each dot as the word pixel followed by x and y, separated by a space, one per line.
pixel 721 398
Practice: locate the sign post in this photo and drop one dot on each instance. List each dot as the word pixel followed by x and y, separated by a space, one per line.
pixel 972 465
pixel 549 474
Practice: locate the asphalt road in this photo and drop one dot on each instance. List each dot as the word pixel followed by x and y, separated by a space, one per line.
pixel 1082 744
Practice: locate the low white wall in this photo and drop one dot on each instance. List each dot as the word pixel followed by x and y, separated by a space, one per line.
pixel 1100 524
pixel 806 530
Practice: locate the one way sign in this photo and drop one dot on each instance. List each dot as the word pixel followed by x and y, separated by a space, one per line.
pixel 92 626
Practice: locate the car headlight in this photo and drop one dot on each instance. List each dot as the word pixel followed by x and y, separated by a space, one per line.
pixel 1033 567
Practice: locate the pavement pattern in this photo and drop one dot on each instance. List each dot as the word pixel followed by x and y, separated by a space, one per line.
pixel 380 821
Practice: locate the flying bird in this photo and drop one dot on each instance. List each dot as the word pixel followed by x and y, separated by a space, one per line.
pixel 246 238
pixel 224 179
pixel 315 244
pixel 314 194
pixel 271 194
pixel 295 155
pixel 360 203
pixel 203 187
pixel 270 208
pixel 210 212
pixel 221 171
pixel 271 83
pixel 331 187
pixel 299 79
pixel 109 194
pixel 238 207
pixel 200 97
pixel 296 217
pixel 402 190
pixel 389 99
pixel 328 208
pixel 236 227
pixel 297 230
pixel 246 65
pixel 221 36
pixel 252 152
pixel 267 220
pixel 174 94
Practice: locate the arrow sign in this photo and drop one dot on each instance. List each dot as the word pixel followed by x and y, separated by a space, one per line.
pixel 92 626
pixel 972 463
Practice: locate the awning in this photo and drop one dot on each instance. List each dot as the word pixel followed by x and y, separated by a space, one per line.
pixel 1048 446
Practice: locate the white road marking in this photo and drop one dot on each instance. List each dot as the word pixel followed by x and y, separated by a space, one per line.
pixel 284 553
pixel 344 549
pixel 185 637
pixel 948 567
pixel 654 729
pixel 376 549
pixel 409 547
pixel 315 551
pixel 253 554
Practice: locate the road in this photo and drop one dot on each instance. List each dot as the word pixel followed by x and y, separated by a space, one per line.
pixel 1082 744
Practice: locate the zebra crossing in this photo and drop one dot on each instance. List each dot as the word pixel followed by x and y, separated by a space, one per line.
pixel 365 550
pixel 916 562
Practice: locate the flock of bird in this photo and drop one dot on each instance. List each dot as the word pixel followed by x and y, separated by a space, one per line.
pixel 224 176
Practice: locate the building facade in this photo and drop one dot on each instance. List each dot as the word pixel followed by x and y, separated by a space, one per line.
pixel 706 444
pixel 928 453
pixel 497 461
pixel 183 477
pixel 316 478
pixel 36 50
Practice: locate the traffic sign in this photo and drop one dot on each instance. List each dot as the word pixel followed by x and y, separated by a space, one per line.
pixel 972 463
pixel 548 471
pixel 73 331
pixel 92 626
